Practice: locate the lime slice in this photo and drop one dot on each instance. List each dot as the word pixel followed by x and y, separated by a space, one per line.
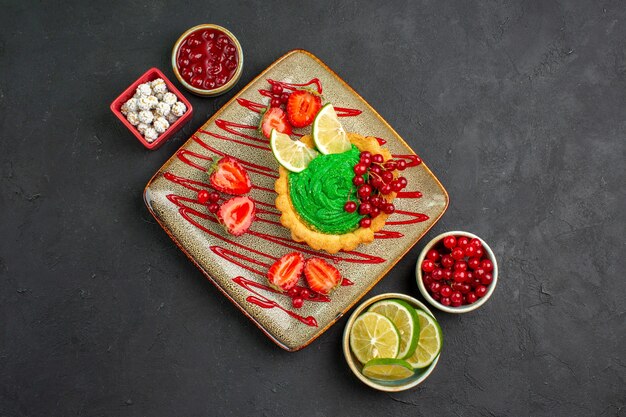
pixel 430 341
pixel 328 134
pixel 374 336
pixel 388 369
pixel 292 154
pixel 406 321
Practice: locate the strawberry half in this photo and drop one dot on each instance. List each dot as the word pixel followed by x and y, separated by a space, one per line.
pixel 302 107
pixel 321 276
pixel 228 176
pixel 284 274
pixel 236 215
pixel 274 118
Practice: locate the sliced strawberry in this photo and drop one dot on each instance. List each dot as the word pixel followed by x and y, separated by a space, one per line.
pixel 228 176
pixel 284 274
pixel 302 107
pixel 236 215
pixel 321 276
pixel 274 118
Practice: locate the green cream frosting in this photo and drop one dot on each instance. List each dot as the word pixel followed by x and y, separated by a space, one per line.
pixel 320 192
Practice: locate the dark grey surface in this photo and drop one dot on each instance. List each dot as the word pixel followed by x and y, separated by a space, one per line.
pixel 518 108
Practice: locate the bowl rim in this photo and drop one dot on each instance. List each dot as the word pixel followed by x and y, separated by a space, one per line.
pixel 449 309
pixel 150 75
pixel 201 91
pixel 352 361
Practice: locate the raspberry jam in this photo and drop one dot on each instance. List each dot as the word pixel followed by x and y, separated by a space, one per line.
pixel 207 59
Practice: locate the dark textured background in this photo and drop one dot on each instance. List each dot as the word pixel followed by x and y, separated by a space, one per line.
pixel 518 107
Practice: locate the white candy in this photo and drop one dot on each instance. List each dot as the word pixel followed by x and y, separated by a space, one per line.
pixel 150 134
pixel 162 109
pixel 141 127
pixel 143 103
pixel 171 117
pixel 170 98
pixel 158 86
pixel 153 101
pixel 133 118
pixel 144 90
pixel 161 124
pixel 146 116
pixel 179 108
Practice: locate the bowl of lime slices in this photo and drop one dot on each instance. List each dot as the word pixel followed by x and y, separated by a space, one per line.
pixel 392 342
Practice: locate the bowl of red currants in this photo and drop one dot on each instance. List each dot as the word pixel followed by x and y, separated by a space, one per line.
pixel 457 272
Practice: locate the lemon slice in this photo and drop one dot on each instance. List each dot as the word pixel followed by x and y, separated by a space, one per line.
pixel 374 336
pixel 406 321
pixel 388 369
pixel 429 344
pixel 292 154
pixel 328 134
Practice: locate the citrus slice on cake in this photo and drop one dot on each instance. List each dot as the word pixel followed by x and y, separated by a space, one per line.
pixel 328 134
pixel 292 154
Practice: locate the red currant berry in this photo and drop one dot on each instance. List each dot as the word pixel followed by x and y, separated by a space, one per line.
pixel 360 169
pixel 469 275
pixel 460 266
pixel 462 241
pixel 385 189
pixel 435 287
pixel 376 201
pixel 445 291
pixel 471 298
pixel 390 165
pixel 277 88
pixel 456 298
pixel 428 265
pixel 376 170
pixel 447 273
pixel 365 208
pixel 457 254
pixel 203 196
pixel 427 280
pixel 275 102
pixel 480 272
pixel 213 208
pixel 387 176
pixel 445 301
pixel 395 186
pixel 459 276
pixel 479 252
pixel 470 251
pixel 375 212
pixel 376 182
pixel 293 292
pixel 436 297
pixel 475 242
pixel 304 293
pixel 389 208
pixel 365 222
pixel 465 288
pixel 449 242
pixel 358 181
pixel 366 161
pixel 486 279
pixel 403 181
pixel 487 265
pixel 481 291
pixel 350 207
pixel 214 197
pixel 437 274
pixel 378 158
pixel 401 165
pixel 473 263
pixel 364 190
pixel 284 97
pixel 297 302
pixel 447 261
pixel 433 255
pixel 365 154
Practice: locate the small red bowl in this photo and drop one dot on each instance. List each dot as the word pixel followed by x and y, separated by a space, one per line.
pixel 151 75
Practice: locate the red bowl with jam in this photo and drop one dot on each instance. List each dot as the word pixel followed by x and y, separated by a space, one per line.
pixel 207 60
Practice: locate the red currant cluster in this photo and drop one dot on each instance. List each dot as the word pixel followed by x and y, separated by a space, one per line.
pixel 279 96
pixel 211 198
pixel 375 179
pixel 457 273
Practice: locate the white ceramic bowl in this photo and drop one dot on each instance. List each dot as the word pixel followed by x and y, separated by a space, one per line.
pixel 355 365
pixel 465 308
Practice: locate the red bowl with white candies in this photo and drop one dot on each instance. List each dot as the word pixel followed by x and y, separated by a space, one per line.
pixel 457 272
